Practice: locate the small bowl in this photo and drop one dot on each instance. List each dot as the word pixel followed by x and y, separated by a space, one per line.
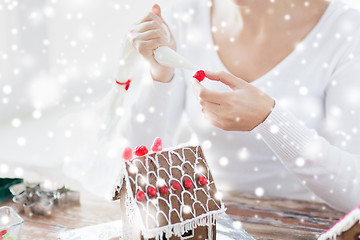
pixel 10 224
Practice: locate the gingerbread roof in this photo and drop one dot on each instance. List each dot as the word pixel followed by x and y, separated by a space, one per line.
pixel 344 224
pixel 194 203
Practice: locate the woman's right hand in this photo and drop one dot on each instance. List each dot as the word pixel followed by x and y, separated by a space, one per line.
pixel 147 36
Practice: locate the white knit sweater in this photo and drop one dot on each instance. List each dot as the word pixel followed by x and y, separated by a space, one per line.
pixel 310 143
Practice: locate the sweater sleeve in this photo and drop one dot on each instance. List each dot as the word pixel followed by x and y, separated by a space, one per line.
pixel 155 108
pixel 328 165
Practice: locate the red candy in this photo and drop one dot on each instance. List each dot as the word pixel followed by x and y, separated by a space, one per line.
pixel 140 195
pixel 164 189
pixel 202 180
pixel 199 75
pixel 2 233
pixel 141 150
pixel 127 154
pixel 175 185
pixel 188 183
pixel 151 191
pixel 126 84
pixel 157 145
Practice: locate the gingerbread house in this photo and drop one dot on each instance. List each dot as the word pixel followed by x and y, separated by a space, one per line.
pixel 347 228
pixel 168 194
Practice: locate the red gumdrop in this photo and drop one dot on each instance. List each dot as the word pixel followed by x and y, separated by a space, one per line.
pixel 164 189
pixel 127 154
pixel 199 75
pixel 188 183
pixel 141 150
pixel 175 185
pixel 151 191
pixel 2 233
pixel 157 145
pixel 140 195
pixel 202 180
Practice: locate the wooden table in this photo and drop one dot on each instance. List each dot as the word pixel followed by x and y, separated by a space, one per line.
pixel 264 218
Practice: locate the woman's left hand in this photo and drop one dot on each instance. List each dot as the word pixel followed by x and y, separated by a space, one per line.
pixel 241 109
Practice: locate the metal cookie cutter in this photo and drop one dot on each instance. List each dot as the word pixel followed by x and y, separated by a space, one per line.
pixel 33 200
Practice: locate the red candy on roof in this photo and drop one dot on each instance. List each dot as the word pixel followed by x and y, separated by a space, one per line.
pixel 175 185
pixel 202 180
pixel 199 75
pixel 141 150
pixel 151 191
pixel 127 154
pixel 157 145
pixel 164 189
pixel 188 183
pixel 140 195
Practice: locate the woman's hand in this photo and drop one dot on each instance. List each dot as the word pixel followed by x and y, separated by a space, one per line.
pixel 147 36
pixel 241 109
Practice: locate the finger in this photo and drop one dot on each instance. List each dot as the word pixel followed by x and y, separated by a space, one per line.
pixel 226 78
pixel 146 36
pixel 156 10
pixel 206 94
pixel 144 46
pixel 151 17
pixel 144 27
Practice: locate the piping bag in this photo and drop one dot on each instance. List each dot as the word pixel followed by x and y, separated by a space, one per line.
pixel 95 147
pixel 163 55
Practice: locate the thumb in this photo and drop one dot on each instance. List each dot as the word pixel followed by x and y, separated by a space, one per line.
pixel 156 10
pixel 226 78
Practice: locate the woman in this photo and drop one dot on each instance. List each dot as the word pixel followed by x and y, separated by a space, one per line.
pixel 282 107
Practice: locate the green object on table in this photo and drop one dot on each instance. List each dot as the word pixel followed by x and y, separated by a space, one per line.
pixel 5 183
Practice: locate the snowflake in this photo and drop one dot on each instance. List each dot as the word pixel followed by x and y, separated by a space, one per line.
pixel 4 168
pixel 19 171
pixel 16 122
pixel 237 224
pixel 224 161
pixel 21 141
pixel 207 144
pixel 243 154
pixel 274 129
pixel 287 17
pixel 300 162
pixel 7 89
pixel 140 118
pixel 259 192
pixel 303 91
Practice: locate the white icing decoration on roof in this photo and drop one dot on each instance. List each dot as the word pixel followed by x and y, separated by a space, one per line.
pixel 175 204
pixel 342 225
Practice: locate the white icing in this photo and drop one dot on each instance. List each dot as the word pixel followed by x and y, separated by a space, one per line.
pixel 178 229
pixel 343 225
